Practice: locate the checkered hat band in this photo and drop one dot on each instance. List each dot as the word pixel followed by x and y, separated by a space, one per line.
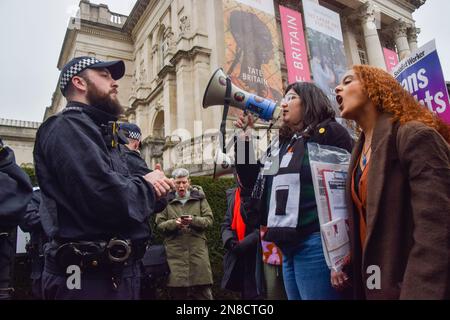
pixel 134 135
pixel 74 70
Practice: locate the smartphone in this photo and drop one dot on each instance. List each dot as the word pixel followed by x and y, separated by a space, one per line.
pixel 185 216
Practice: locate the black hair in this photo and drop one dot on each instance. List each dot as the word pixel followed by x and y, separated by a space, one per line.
pixel 316 105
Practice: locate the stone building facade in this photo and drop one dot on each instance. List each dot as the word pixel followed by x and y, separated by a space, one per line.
pixel 171 48
pixel 20 136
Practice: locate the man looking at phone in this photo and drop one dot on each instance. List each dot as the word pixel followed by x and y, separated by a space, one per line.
pixel 183 224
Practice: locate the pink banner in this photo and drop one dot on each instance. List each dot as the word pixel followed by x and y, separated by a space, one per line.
pixel 294 45
pixel 391 59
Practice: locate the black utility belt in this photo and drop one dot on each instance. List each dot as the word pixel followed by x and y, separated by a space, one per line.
pixel 6 232
pixel 95 254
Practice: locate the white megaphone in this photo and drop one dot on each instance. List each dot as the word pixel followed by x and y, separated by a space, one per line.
pixel 223 164
pixel 215 92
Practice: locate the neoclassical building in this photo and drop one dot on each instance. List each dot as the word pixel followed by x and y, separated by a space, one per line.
pixel 171 48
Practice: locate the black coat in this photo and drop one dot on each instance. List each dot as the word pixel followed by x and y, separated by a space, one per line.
pixel 136 165
pixel 239 263
pixel 87 190
pixel 31 223
pixel 15 191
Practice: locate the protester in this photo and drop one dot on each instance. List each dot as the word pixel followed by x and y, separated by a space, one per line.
pixel 398 190
pixel 240 242
pixel 183 224
pixel 287 204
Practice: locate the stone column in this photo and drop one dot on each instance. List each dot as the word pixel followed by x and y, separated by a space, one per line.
pixel 401 41
pixel 170 114
pixel 413 32
pixel 155 60
pixel 367 14
pixel 350 44
pixel 185 95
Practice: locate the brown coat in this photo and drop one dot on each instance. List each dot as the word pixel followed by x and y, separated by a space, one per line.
pixel 408 214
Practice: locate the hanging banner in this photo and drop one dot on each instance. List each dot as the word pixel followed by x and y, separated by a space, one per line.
pixel 294 45
pixel 391 59
pixel 326 46
pixel 251 48
pixel 421 74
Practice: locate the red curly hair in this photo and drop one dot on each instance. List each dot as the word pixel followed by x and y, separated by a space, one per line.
pixel 389 96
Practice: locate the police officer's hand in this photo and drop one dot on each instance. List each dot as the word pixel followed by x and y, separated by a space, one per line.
pixel 160 183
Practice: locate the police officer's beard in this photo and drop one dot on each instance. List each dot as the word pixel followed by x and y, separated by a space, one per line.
pixel 103 101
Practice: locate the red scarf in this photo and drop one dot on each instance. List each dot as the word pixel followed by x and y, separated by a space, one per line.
pixel 238 224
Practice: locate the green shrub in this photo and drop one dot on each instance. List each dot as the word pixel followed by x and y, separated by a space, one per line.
pixel 215 194
pixel 29 170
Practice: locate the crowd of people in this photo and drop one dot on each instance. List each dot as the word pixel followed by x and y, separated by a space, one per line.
pixel 96 195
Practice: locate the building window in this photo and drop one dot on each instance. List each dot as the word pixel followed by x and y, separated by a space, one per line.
pixel 362 54
pixel 158 126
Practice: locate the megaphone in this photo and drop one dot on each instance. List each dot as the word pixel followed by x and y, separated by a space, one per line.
pixel 263 108
pixel 223 164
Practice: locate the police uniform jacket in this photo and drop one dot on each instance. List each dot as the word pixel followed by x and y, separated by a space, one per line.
pixel 136 165
pixel 15 191
pixel 31 223
pixel 87 191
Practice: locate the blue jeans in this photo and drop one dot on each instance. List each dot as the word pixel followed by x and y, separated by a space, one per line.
pixel 305 273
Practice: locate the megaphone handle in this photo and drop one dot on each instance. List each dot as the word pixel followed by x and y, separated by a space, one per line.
pixel 225 112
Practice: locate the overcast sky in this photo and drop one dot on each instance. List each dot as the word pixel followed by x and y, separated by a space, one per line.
pixel 32 32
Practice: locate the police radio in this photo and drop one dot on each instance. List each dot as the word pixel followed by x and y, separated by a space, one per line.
pixel 110 134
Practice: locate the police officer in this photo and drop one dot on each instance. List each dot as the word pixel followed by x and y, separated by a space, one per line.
pixel 135 163
pixel 31 223
pixel 94 212
pixel 15 193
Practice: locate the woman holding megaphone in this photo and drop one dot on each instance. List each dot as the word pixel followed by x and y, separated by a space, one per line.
pixel 278 193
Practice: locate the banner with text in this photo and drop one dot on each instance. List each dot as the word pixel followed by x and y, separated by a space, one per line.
pixel 391 59
pixel 294 45
pixel 421 74
pixel 326 45
pixel 251 48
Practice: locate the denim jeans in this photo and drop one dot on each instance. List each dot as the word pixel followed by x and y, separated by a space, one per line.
pixel 306 274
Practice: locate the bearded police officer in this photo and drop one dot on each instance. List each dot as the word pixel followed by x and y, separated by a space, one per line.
pixel 94 212
pixel 15 193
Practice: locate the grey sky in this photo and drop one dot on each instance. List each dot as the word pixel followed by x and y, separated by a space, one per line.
pixel 32 32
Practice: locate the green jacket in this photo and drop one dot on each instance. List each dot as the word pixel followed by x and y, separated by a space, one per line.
pixel 187 252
